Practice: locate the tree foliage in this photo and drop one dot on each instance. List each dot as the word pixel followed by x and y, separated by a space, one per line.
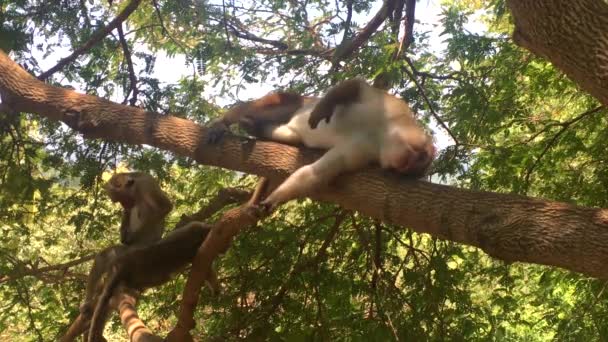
pixel 311 271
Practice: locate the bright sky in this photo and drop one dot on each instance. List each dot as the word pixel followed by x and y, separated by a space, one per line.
pixel 170 70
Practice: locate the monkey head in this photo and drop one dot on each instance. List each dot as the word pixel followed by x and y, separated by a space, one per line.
pixel 121 188
pixel 408 150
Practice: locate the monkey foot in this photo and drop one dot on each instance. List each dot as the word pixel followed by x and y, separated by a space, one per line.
pixel 215 132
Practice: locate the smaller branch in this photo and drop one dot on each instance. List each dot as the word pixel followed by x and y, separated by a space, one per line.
pixel 410 11
pixel 225 22
pixel 160 17
pixel 132 77
pixel 252 37
pixel 305 264
pixel 430 106
pixel 553 140
pixel 134 326
pixel 38 271
pixel 345 50
pixel 348 21
pixel 224 197
pixel 317 40
pixel 325 54
pixel 216 243
pixel 95 38
pixel 424 74
pixel 164 27
pixel 24 294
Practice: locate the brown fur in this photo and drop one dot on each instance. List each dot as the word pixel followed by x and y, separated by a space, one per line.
pixel 147 266
pixel 371 126
pixel 344 93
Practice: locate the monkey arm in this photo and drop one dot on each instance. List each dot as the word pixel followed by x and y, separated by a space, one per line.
pixel 158 203
pixel 346 92
pixel 253 116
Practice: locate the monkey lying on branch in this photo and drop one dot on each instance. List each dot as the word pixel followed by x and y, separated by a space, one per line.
pixel 361 125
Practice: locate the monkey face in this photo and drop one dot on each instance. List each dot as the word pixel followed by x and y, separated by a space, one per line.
pixel 407 150
pixel 121 188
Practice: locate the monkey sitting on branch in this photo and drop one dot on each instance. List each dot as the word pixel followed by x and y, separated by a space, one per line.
pixel 147 266
pixel 356 123
pixel 145 207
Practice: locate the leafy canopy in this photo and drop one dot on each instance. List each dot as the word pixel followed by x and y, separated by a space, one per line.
pixel 517 126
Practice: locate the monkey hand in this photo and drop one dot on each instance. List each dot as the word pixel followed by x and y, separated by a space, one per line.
pixel 270 203
pixel 322 110
pixel 267 207
pixel 216 131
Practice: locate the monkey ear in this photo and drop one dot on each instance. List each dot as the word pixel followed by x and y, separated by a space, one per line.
pixel 130 181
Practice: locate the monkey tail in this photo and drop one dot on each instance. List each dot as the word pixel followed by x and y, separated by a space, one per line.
pixel 102 308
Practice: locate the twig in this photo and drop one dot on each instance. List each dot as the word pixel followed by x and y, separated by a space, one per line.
pixel 410 11
pixel 226 22
pixel 164 28
pixel 36 271
pixel 132 78
pixel 347 49
pixel 244 34
pixel 430 106
pixel 224 197
pixel 95 38
pixel 553 140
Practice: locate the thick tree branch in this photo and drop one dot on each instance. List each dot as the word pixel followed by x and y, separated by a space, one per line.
pixel 508 227
pixel 95 38
pixel 571 34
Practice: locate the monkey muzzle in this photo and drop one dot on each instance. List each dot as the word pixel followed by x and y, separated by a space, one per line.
pixel 416 161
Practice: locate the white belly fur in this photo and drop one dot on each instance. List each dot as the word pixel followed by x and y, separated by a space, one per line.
pixel 360 121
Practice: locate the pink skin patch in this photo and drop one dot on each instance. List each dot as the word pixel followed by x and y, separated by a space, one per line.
pixel 408 152
pixel 413 162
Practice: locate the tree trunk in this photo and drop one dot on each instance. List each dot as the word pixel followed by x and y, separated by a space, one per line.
pixel 573 35
pixel 511 228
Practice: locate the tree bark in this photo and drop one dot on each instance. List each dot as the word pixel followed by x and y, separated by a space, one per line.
pixel 573 35
pixel 508 227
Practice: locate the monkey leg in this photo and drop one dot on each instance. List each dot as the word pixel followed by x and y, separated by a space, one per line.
pixel 100 266
pixel 344 93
